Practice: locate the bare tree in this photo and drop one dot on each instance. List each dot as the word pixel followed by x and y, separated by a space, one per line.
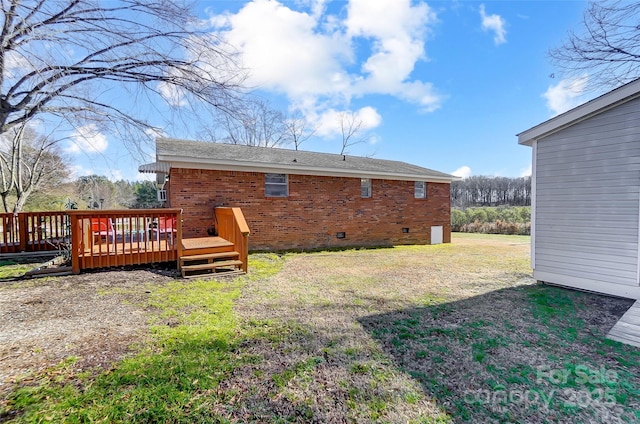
pixel 298 129
pixel 97 192
pixel 254 123
pixel 351 130
pixel 608 47
pixel 64 57
pixel 29 163
pixel 482 190
pixel 125 194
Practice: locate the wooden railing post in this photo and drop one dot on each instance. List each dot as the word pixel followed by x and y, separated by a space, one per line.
pixel 179 238
pixel 76 245
pixel 23 231
pixel 241 236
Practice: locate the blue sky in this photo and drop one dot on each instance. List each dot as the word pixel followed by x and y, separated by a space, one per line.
pixel 445 85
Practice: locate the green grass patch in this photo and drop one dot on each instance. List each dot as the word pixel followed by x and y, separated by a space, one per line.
pixel 165 382
pixel 10 269
pixel 573 377
pixel 175 378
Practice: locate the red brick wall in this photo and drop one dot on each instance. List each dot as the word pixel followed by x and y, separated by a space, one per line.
pixel 316 209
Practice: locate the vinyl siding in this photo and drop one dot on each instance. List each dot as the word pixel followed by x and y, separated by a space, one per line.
pixel 587 199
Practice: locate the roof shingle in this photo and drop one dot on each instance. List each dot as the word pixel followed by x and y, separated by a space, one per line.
pixel 197 153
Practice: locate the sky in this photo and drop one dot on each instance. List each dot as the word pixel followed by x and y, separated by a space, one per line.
pixel 445 85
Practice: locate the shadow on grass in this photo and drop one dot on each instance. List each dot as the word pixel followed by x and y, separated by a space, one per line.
pixel 527 354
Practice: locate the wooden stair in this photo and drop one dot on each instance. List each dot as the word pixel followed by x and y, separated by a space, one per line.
pixel 209 255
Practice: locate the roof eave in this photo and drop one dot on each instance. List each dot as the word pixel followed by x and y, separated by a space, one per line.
pixel 158 167
pixel 188 162
pixel 596 106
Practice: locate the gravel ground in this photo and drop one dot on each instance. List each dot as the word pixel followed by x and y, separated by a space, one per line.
pixel 96 317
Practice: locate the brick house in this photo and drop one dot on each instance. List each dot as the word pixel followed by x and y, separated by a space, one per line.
pixel 304 200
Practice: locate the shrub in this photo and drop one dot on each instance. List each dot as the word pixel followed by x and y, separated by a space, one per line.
pixel 458 219
pixel 492 220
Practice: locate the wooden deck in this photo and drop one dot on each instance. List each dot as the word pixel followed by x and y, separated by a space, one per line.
pixel 627 329
pixel 205 243
pixel 120 248
pixel 122 253
pixel 114 238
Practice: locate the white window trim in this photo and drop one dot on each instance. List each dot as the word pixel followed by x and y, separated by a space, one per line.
pixel 286 184
pixel 369 185
pixel 424 190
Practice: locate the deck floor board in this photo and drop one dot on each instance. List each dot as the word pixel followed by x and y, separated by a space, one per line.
pixel 205 243
pixel 627 329
pixel 121 248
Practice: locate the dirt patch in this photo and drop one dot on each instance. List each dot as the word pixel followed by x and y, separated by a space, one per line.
pixel 95 317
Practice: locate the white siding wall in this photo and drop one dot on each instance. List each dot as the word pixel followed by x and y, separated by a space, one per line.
pixel 587 202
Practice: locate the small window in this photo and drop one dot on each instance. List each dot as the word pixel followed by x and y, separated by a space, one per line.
pixel 365 187
pixel 276 185
pixel 420 190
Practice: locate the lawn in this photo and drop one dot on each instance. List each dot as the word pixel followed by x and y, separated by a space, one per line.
pixel 11 269
pixel 415 334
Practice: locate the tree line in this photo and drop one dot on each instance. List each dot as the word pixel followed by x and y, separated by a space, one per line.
pixel 95 192
pixel 484 190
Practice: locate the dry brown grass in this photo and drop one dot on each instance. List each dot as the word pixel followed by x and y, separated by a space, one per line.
pixel 404 334
pixel 417 334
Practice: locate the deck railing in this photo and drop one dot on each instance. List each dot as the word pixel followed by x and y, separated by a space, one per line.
pixel 33 231
pixel 233 227
pixel 111 238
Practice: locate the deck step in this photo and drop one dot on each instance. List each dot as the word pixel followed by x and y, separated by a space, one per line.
pixel 211 265
pixel 229 273
pixel 209 256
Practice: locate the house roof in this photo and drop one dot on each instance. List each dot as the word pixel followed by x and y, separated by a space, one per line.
pixel 176 153
pixel 594 107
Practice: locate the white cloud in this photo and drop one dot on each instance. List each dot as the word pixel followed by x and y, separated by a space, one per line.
pixel 329 122
pixel 284 50
pixel 462 172
pixel 88 139
pixel 115 175
pixel 16 64
pixel 172 94
pixel 397 31
pixel 565 95
pixel 495 23
pixel 155 132
pixel 77 171
pixel 526 172
pixel 311 57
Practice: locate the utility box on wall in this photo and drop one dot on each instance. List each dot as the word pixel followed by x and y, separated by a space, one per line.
pixel 436 234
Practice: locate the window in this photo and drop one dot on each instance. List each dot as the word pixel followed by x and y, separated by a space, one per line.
pixel 420 190
pixel 276 185
pixel 365 187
